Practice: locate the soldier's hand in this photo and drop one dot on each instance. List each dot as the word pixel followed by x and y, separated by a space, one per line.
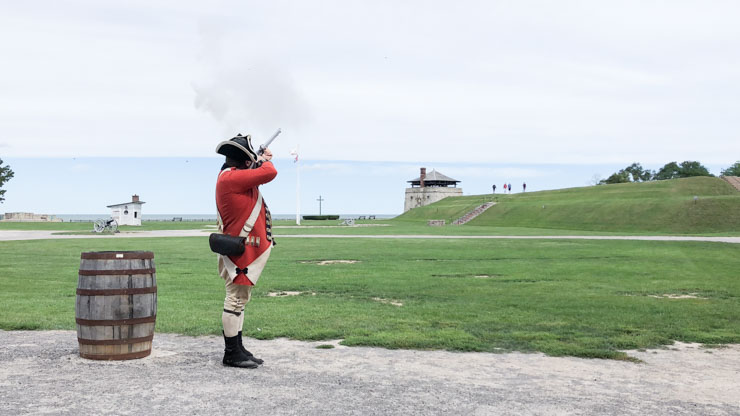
pixel 266 155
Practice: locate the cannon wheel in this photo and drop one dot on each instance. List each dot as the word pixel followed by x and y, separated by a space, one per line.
pixel 99 226
pixel 113 226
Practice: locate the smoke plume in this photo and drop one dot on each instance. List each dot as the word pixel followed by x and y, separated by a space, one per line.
pixel 244 88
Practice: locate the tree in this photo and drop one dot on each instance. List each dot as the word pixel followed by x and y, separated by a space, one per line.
pixel 638 173
pixel 632 173
pixel 5 175
pixel 620 177
pixel 733 170
pixel 686 169
pixel 691 168
pixel 668 171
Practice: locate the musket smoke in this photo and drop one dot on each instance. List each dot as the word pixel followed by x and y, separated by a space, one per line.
pixel 247 92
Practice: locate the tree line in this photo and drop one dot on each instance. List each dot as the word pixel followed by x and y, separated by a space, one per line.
pixel 636 173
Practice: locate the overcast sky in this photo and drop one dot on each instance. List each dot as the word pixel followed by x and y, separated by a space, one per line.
pixel 563 81
pixel 417 82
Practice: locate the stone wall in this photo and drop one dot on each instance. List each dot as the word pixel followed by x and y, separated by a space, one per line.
pixel 29 217
pixel 419 197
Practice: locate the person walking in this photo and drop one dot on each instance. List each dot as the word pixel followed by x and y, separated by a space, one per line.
pixel 242 212
pixel 524 187
pixel 509 188
pixel 494 188
pixel 504 188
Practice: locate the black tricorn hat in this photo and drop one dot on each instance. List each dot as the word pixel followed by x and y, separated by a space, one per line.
pixel 238 148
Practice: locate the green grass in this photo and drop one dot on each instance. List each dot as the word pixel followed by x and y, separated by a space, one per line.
pixel 421 228
pixel 579 298
pixel 660 207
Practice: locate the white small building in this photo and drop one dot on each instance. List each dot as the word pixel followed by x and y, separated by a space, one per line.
pixel 128 213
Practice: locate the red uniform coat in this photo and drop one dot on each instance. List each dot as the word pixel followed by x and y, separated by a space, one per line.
pixel 236 195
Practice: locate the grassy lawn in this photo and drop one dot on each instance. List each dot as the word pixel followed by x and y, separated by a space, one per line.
pixel 580 298
pixel 403 227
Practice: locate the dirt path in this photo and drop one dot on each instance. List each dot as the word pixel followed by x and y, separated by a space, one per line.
pixel 12 235
pixel 41 373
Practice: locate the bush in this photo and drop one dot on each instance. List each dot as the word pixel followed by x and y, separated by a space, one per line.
pixel 320 217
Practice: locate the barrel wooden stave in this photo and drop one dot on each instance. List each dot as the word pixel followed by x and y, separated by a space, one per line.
pixel 105 328
pixel 116 264
pixel 116 308
pixel 101 281
pixel 116 352
pixel 110 332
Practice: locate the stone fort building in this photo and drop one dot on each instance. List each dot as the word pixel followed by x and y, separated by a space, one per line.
pixel 429 188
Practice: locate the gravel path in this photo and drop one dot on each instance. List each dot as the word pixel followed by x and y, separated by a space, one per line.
pixel 10 235
pixel 41 373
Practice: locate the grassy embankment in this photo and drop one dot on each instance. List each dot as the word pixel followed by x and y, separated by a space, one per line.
pixel 581 298
pixel 660 207
pixel 652 208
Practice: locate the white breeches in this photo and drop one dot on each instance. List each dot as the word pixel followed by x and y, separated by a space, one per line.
pixel 237 297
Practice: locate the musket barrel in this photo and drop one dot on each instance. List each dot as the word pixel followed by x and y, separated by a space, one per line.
pixel 267 143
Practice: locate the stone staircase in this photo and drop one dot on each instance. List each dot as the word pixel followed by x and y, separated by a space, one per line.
pixel 732 180
pixel 474 213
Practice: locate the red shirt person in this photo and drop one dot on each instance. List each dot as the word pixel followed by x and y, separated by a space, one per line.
pixel 242 212
pixel 237 194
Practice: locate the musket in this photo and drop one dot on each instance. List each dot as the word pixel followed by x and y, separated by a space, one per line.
pixel 267 143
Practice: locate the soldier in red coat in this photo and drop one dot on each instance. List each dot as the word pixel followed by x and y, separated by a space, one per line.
pixel 242 212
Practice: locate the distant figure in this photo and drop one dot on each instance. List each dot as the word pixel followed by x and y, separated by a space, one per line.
pixel 509 188
pixel 524 185
pixel 494 189
pixel 504 188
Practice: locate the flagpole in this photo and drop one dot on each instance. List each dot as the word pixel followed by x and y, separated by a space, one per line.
pixel 297 188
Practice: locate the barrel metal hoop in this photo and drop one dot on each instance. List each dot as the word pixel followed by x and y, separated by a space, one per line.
pixel 116 272
pixel 110 322
pixel 114 292
pixel 129 356
pixel 114 341
pixel 117 255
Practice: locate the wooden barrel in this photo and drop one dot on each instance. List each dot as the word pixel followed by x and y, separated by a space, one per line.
pixel 116 304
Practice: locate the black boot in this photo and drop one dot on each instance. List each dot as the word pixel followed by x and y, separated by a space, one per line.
pixel 233 355
pixel 249 354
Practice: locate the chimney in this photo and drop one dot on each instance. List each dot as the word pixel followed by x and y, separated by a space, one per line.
pixel 135 198
pixel 422 177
